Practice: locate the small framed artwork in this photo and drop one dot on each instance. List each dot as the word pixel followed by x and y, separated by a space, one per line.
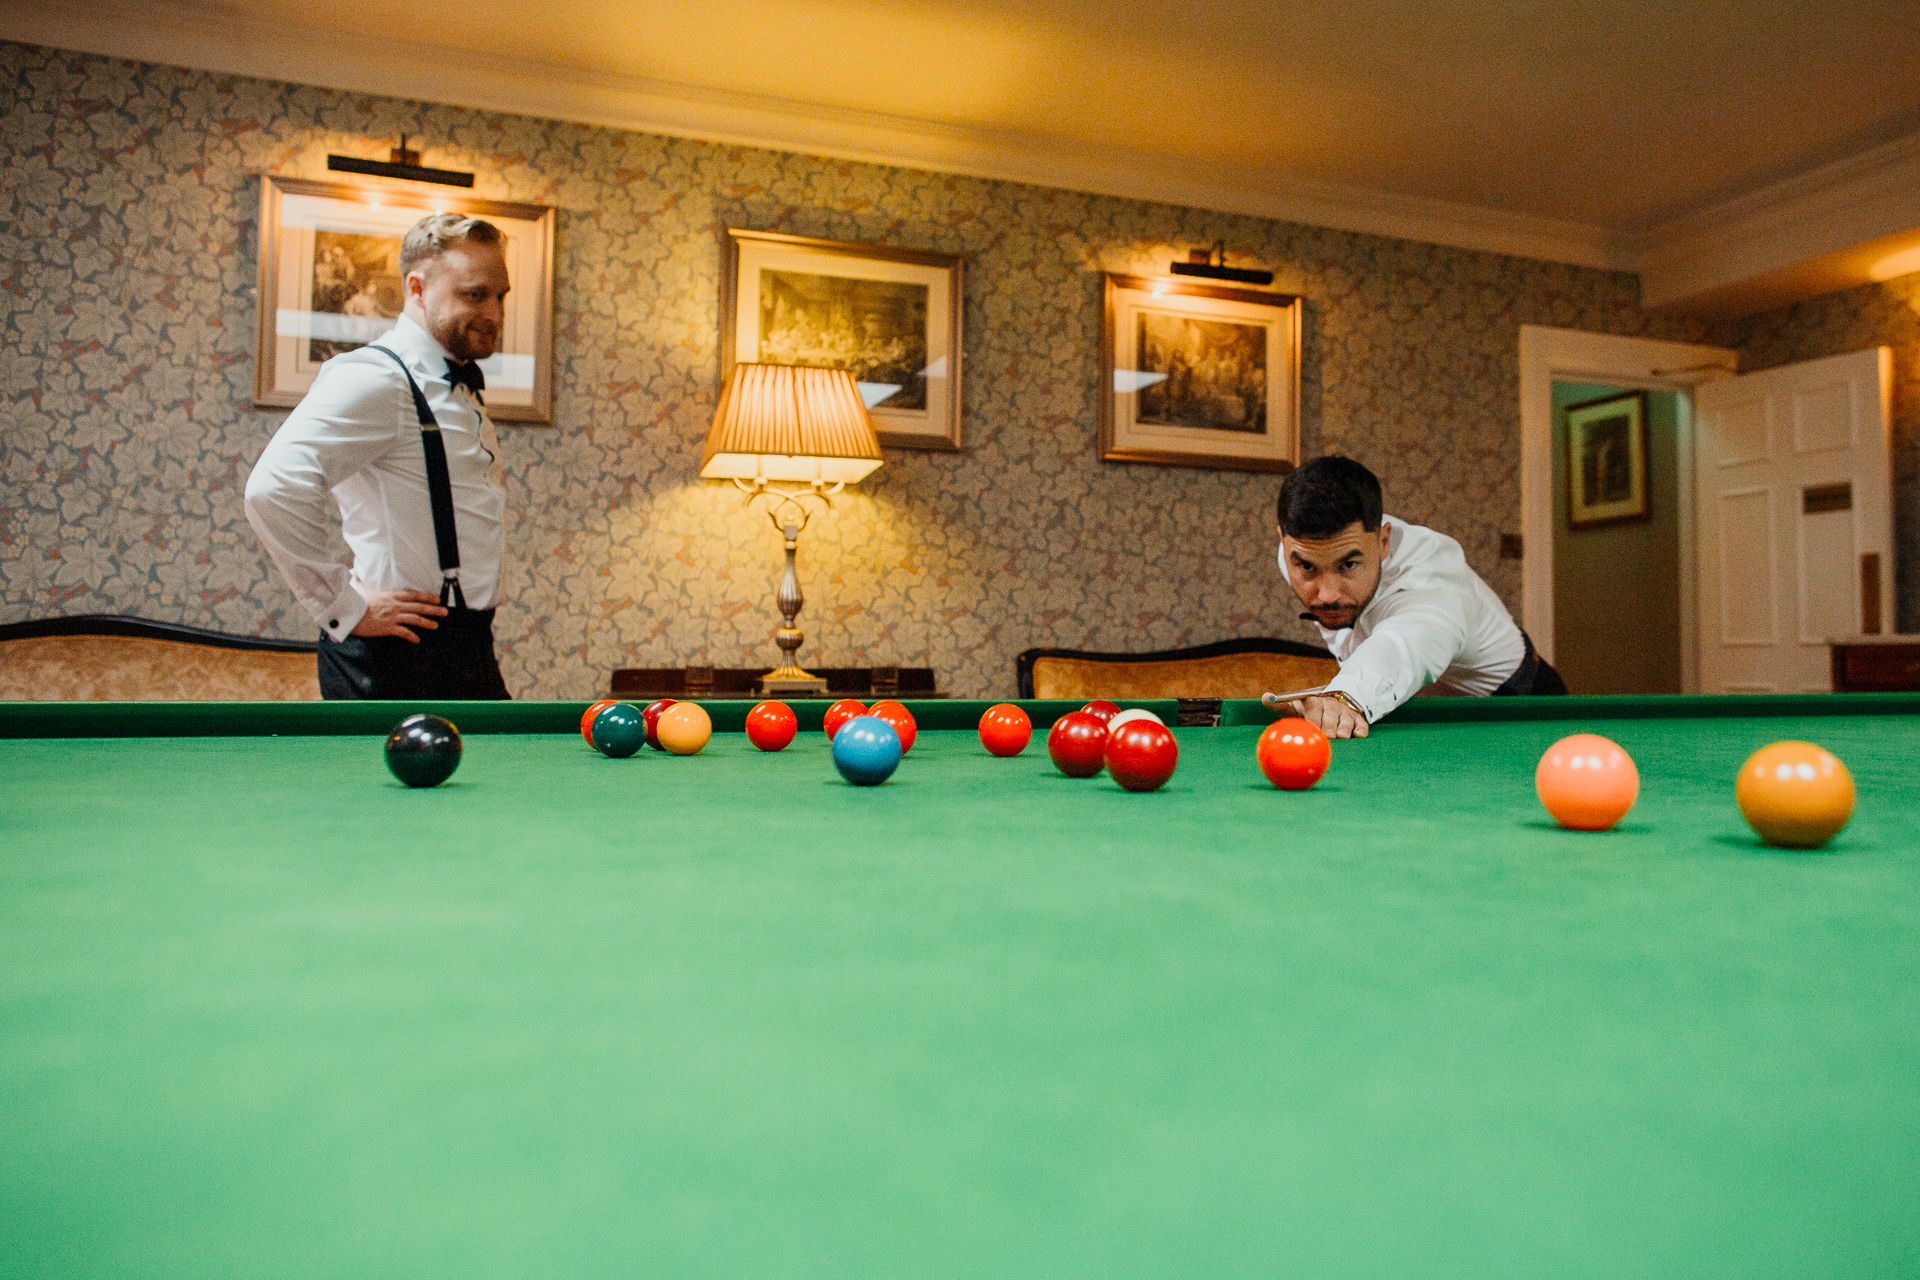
pixel 1607 461
pixel 890 317
pixel 1199 375
pixel 330 282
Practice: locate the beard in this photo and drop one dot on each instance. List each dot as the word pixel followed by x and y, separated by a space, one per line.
pixel 1338 617
pixel 469 344
pixel 1334 619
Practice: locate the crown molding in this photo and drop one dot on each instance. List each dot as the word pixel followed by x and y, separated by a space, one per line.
pixel 181 35
pixel 1808 234
pixel 1786 241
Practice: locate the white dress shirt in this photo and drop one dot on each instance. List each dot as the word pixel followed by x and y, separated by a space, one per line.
pixel 356 437
pixel 1431 622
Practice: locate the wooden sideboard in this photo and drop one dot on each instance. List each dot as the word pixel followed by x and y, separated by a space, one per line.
pixel 1876 664
pixel 738 682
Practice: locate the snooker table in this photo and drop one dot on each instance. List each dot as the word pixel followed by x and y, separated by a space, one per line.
pixel 264 1012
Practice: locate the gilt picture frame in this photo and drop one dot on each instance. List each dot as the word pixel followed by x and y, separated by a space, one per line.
pixel 1199 375
pixel 891 316
pixel 1606 449
pixel 329 282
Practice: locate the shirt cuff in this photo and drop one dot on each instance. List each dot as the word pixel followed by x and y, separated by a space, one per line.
pixel 1366 699
pixel 344 614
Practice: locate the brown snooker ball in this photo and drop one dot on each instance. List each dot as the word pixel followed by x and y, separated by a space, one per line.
pixel 1794 794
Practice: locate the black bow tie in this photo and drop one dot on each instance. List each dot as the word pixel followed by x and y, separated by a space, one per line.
pixel 467 374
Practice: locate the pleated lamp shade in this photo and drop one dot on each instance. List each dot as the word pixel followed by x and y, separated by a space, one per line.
pixel 780 422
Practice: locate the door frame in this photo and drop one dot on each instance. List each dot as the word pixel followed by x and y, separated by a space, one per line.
pixel 1548 355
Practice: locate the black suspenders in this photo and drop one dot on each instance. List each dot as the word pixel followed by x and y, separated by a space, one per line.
pixel 439 488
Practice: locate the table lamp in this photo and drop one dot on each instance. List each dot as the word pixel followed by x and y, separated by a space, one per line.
pixel 806 429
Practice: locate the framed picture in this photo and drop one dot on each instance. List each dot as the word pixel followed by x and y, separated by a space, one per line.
pixel 1199 375
pixel 1607 461
pixel 890 317
pixel 330 282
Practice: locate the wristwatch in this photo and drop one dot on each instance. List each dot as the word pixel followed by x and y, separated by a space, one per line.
pixel 1351 705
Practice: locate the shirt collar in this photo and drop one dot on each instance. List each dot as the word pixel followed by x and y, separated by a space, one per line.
pixel 1395 562
pixel 417 347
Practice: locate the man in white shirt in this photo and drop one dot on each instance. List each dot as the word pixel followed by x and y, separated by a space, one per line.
pixel 412 615
pixel 1396 604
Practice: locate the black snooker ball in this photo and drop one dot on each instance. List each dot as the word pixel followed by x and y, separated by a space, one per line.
pixel 423 751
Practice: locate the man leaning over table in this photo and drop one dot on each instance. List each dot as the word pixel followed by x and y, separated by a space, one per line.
pixel 1396 603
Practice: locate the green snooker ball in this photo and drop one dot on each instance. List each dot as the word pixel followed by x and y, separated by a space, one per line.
pixel 620 730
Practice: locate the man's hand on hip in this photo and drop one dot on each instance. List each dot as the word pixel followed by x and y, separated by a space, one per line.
pixel 390 613
pixel 1335 718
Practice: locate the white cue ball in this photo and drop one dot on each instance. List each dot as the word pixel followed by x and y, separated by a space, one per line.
pixel 1125 716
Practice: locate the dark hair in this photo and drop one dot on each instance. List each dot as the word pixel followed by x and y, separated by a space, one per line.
pixel 1325 495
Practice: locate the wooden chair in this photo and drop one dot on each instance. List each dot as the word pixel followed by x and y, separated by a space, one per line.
pixel 103 658
pixel 1226 669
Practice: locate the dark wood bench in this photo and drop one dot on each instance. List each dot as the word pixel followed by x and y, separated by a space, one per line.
pixel 108 658
pixel 1225 669
pixel 738 682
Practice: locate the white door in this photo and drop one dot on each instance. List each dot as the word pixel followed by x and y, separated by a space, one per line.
pixel 1792 498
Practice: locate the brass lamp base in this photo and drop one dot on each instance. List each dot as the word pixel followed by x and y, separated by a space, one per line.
pixel 806 687
pixel 790 681
pixel 788 678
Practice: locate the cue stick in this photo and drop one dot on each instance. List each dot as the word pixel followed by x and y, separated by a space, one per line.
pixel 1288 699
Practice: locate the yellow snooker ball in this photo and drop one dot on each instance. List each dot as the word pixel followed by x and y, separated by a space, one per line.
pixel 1794 794
pixel 684 728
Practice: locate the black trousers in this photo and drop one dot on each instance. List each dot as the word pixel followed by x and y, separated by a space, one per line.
pixel 454 662
pixel 1533 677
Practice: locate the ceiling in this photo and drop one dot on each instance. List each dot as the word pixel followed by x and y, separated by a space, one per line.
pixel 1614 117
pixel 1617 112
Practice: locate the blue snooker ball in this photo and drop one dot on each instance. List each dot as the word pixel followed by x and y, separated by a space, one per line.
pixel 619 730
pixel 866 751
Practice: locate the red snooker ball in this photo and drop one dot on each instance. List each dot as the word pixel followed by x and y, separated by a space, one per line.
pixel 897 715
pixel 1077 744
pixel 841 712
pixel 586 721
pixel 1293 754
pixel 1141 755
pixel 771 726
pixel 1102 710
pixel 1005 729
pixel 652 717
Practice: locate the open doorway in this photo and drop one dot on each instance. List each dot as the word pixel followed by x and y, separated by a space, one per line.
pixel 1783 478
pixel 1549 355
pixel 1616 589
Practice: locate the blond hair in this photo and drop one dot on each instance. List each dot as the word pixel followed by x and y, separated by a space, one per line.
pixel 436 233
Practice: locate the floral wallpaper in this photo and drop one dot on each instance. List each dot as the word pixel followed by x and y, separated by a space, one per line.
pixel 1874 315
pixel 128 245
